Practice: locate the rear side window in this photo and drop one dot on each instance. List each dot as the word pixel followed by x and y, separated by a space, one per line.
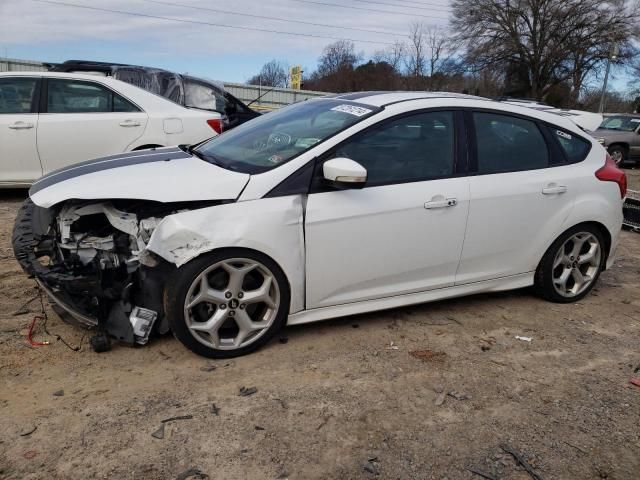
pixel 75 96
pixel 575 148
pixel 16 94
pixel 508 144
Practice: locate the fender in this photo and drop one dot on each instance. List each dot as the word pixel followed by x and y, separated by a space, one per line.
pixel 272 226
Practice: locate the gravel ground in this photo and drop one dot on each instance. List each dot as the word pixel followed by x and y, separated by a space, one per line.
pixel 422 392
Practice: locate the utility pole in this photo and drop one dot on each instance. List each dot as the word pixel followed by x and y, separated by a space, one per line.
pixel 613 54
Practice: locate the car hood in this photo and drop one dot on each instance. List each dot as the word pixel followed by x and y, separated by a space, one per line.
pixel 162 175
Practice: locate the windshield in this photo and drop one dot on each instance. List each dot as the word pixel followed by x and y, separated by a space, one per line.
pixel 275 138
pixel 624 124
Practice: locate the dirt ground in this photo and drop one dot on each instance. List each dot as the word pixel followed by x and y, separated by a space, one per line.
pixel 343 399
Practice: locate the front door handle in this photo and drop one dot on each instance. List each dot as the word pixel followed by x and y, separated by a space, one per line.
pixel 21 126
pixel 553 189
pixel 129 123
pixel 444 203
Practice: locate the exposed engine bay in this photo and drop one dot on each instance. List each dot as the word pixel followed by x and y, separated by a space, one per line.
pixel 91 258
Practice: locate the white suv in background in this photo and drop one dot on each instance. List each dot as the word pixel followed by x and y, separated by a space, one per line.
pixel 53 120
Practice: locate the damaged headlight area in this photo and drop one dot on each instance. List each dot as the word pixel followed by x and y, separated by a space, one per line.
pixel 91 259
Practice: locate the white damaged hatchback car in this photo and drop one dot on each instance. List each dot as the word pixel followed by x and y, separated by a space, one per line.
pixel 329 207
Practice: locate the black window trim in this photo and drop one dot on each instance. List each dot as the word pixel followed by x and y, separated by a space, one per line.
pixel 44 94
pixel 460 150
pixel 554 151
pixel 551 128
pixel 35 96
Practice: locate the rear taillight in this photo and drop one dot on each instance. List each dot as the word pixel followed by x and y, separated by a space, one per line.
pixel 216 124
pixel 611 173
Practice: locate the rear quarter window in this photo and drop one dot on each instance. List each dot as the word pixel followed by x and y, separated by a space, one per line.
pixel 574 147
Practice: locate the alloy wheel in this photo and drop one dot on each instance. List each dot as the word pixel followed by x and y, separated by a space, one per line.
pixel 231 303
pixel 576 264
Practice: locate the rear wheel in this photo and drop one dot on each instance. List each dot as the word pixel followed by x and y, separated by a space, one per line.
pixel 571 266
pixel 227 303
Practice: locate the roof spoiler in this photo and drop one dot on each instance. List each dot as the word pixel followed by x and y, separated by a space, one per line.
pixel 588 121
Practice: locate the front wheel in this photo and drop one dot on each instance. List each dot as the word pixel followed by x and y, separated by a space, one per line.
pixel 570 267
pixel 227 303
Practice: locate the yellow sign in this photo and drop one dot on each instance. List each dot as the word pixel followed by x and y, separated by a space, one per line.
pixel 295 77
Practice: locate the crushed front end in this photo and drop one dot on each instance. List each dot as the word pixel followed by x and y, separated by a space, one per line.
pixel 90 258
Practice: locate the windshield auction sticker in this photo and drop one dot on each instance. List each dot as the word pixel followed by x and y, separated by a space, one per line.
pixel 352 110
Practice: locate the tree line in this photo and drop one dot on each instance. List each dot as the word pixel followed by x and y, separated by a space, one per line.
pixel 549 50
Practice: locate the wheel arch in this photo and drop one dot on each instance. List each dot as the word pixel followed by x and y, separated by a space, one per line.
pixel 235 250
pixel 604 231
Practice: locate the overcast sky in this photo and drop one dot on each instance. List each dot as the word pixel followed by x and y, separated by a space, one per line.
pixel 53 32
pixel 35 30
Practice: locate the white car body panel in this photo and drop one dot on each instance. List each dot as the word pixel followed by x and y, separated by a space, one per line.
pixel 355 308
pixel 18 150
pixel 68 138
pixel 514 199
pixel 272 226
pixel 347 230
pixel 61 139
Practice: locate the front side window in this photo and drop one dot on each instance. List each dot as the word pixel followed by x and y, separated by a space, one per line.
pixel 16 94
pixel 623 124
pixel 508 144
pixel 273 139
pixel 76 96
pixel 409 149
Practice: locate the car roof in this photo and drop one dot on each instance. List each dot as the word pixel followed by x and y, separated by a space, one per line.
pixel 564 118
pixel 381 99
pixel 44 73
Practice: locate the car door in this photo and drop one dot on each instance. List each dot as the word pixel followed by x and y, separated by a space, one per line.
pixel 18 123
pixel 85 120
pixel 403 231
pixel 520 195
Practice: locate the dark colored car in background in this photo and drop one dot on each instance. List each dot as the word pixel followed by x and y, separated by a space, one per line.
pixel 186 90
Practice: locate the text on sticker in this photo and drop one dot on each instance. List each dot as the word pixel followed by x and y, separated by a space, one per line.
pixel 352 109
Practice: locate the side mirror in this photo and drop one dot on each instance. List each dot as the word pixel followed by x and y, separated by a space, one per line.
pixel 344 173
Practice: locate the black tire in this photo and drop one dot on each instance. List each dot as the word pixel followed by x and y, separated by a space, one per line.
pixel 176 289
pixel 543 283
pixel 618 152
pixel 30 224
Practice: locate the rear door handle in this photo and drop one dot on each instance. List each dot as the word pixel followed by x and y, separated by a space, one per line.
pixel 553 189
pixel 21 126
pixel 447 202
pixel 130 123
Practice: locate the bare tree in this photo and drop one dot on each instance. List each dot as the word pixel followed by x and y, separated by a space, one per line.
pixel 415 58
pixel 394 55
pixel 543 43
pixel 273 74
pixel 338 56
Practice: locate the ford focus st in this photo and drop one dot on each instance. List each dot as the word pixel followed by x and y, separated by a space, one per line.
pixel 331 207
